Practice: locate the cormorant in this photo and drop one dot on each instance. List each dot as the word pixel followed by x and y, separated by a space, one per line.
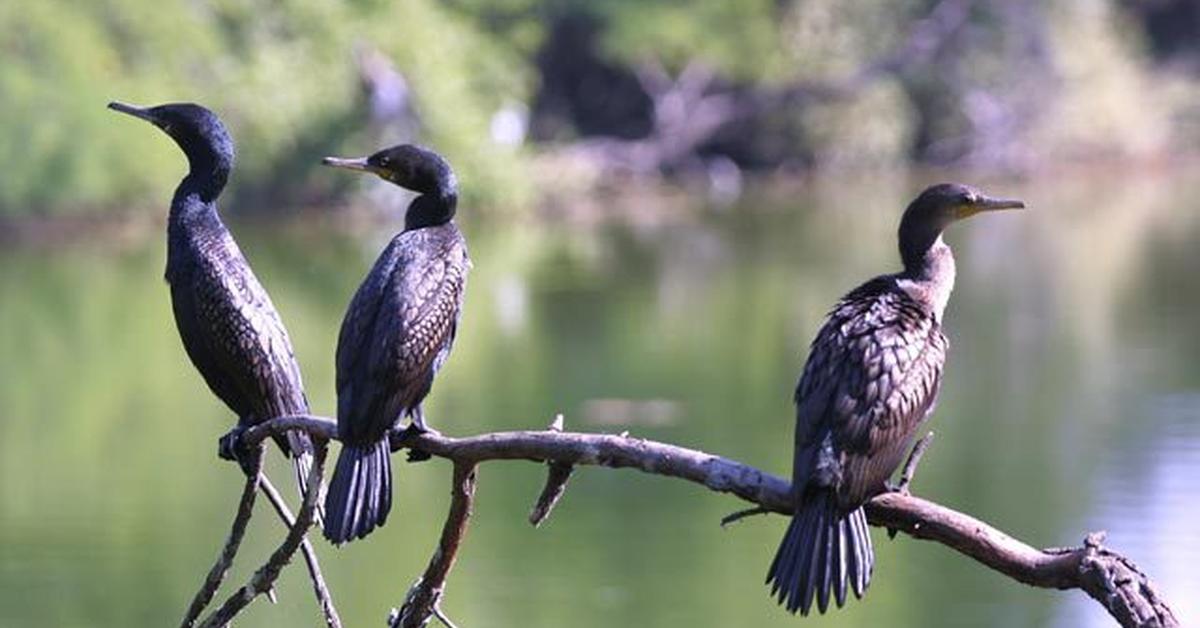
pixel 397 333
pixel 871 379
pixel 228 324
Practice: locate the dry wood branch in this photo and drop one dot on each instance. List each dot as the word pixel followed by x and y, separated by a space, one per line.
pixel 910 470
pixel 265 576
pixel 324 599
pixel 914 459
pixel 734 517
pixel 424 599
pixel 1111 579
pixel 237 531
pixel 557 475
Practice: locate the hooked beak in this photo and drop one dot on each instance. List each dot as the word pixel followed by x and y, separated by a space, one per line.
pixel 987 204
pixel 137 112
pixel 349 164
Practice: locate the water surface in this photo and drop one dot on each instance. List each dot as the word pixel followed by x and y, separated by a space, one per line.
pixel 1071 403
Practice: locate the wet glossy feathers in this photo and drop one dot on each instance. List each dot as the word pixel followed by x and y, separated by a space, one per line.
pixel 229 326
pixel 871 378
pixel 399 329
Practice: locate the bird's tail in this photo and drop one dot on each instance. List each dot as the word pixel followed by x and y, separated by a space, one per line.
pixel 301 449
pixel 822 552
pixel 360 494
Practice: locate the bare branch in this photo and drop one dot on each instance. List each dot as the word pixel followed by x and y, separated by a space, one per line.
pixel 910 470
pixel 423 600
pixel 1113 580
pixel 324 599
pixel 556 484
pixel 653 77
pixel 914 459
pixel 265 576
pixel 1121 587
pixel 742 514
pixel 216 575
pixel 1109 578
pixel 437 612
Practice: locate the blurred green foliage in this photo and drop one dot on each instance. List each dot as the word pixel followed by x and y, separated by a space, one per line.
pixel 739 37
pixel 1019 85
pixel 279 72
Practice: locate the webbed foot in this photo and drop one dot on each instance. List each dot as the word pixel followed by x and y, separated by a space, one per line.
pixel 230 447
pixel 415 429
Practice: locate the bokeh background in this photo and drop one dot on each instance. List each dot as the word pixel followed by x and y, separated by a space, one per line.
pixel 662 199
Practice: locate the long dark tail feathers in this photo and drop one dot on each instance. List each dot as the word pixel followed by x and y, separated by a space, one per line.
pixel 360 494
pixel 301 453
pixel 824 555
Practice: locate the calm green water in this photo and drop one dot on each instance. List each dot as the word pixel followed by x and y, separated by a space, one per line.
pixel 1071 403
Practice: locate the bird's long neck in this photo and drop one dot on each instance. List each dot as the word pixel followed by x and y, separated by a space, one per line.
pixel 195 204
pixel 433 208
pixel 928 276
pixel 194 230
pixel 192 209
pixel 208 172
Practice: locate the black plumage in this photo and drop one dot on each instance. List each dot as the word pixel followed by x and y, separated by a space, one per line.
pixel 872 377
pixel 396 335
pixel 228 325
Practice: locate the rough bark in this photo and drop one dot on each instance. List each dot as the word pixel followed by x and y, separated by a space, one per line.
pixel 1109 578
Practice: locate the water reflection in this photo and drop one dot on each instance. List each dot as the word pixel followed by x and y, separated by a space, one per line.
pixel 1146 501
pixel 1068 405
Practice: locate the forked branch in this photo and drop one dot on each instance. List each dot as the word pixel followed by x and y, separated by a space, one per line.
pixel 241 519
pixel 320 589
pixel 424 598
pixel 1109 578
pixel 264 578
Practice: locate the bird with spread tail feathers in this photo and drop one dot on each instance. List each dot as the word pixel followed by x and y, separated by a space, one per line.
pixel 228 325
pixel 872 377
pixel 397 333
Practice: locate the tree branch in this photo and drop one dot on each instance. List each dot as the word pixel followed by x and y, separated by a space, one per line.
pixel 557 475
pixel 265 576
pixel 237 531
pixel 424 598
pixel 914 458
pixel 324 599
pixel 1109 578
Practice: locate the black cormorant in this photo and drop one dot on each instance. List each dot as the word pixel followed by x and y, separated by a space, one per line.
pixel 396 334
pixel 228 324
pixel 871 379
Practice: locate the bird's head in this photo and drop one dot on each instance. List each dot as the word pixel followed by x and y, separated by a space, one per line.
pixel 414 168
pixel 945 203
pixel 409 166
pixel 197 131
pixel 938 207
